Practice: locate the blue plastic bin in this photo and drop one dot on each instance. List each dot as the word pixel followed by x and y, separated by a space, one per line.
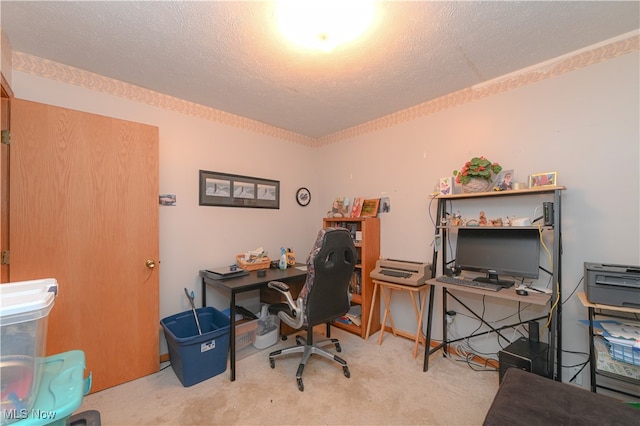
pixel 194 357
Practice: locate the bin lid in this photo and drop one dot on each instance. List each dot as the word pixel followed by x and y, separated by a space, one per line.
pixel 61 390
pixel 23 301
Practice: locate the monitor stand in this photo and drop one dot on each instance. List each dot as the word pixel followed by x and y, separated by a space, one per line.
pixel 493 279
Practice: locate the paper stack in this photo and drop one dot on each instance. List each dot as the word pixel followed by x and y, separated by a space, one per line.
pixel 623 339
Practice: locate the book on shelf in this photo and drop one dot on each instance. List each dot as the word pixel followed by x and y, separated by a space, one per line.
pixel 355 286
pixel 355 314
pixel 356 208
pixel 343 320
pixel 353 229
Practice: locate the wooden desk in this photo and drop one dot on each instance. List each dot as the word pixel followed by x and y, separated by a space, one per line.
pixel 505 293
pixel 240 285
pixel 419 311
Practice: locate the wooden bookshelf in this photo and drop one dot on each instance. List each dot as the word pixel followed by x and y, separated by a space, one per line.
pixel 368 249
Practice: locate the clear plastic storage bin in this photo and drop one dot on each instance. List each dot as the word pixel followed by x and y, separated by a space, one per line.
pixel 24 308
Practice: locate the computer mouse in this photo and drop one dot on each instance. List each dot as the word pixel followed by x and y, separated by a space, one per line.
pixel 522 292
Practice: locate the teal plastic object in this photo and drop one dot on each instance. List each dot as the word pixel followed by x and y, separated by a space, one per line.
pixel 61 390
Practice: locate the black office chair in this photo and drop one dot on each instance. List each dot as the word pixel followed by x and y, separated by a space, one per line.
pixel 324 297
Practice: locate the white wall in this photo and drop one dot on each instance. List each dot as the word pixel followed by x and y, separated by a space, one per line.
pixel 583 124
pixel 194 237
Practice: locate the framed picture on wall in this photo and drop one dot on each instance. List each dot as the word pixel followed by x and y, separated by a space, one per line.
pixel 228 190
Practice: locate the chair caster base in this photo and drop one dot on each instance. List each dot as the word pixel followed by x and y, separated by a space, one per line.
pixel 346 371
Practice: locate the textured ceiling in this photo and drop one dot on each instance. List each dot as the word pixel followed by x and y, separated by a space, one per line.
pixel 229 55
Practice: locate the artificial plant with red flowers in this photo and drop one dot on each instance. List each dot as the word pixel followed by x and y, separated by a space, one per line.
pixel 478 167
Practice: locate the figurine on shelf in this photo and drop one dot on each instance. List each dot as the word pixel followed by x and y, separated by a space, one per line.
pixel 457 219
pixel 482 221
pixel 496 222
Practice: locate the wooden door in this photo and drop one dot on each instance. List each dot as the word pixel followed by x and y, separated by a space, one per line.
pixel 84 210
pixel 5 110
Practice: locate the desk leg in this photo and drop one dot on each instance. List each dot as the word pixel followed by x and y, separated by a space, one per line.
pixel 373 304
pixel 427 343
pixel 387 311
pixel 232 336
pixel 204 293
pixel 419 317
pixel 388 304
pixel 592 355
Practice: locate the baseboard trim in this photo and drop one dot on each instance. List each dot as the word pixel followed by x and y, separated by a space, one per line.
pixel 477 359
pixel 451 350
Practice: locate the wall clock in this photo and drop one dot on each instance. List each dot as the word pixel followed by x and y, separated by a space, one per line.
pixel 303 196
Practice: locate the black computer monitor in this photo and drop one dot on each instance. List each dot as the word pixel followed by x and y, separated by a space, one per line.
pixel 499 251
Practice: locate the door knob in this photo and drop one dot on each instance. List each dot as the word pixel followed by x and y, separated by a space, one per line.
pixel 150 263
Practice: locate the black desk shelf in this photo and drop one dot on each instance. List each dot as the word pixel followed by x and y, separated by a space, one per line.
pixel 599 378
pixel 550 193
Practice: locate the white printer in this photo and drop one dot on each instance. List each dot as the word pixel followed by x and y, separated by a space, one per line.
pixel 614 285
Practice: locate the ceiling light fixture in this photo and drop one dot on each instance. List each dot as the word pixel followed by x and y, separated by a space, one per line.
pixel 323 25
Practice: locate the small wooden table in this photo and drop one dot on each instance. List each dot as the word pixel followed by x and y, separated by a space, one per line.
pixel 418 310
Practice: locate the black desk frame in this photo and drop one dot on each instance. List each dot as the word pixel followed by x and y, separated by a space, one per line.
pixel 554 299
pixel 509 293
pixel 240 285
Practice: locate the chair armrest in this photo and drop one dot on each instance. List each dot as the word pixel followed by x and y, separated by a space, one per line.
pixel 284 289
pixel 296 319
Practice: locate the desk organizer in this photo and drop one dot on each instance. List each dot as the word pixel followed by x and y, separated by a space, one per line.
pixel 262 263
pixel 628 354
pixel 605 363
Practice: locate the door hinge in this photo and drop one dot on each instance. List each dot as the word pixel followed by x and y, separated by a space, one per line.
pixel 6 137
pixel 4 257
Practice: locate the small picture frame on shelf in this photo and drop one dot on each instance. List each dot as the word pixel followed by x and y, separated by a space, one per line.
pixel 385 205
pixel 503 181
pixel 543 179
pixel 446 185
pixel 356 208
pixel 340 207
pixel 370 207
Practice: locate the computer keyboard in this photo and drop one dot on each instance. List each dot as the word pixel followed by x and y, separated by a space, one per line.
pixel 469 283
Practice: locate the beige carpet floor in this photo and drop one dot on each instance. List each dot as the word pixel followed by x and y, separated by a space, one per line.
pixel 387 387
